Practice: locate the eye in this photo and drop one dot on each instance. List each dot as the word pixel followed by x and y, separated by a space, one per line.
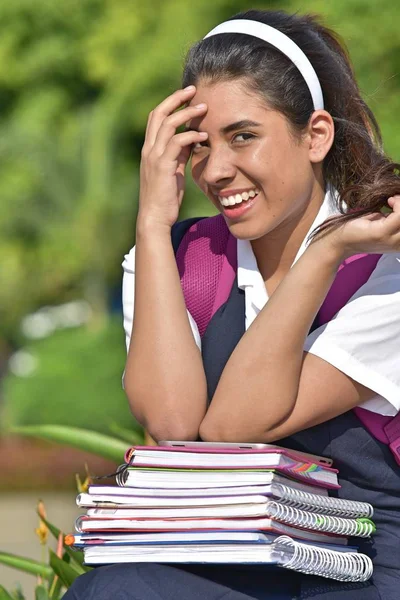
pixel 245 137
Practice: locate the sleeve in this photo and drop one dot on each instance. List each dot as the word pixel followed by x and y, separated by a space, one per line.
pixel 362 340
pixel 128 298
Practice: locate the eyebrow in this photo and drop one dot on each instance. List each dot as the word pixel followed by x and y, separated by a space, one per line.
pixel 239 125
pixel 233 126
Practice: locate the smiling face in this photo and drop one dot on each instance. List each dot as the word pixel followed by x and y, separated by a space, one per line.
pixel 252 168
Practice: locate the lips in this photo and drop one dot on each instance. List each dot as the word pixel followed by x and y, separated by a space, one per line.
pixel 231 198
pixel 236 211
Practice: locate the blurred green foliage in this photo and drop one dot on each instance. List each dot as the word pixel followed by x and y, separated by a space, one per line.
pixel 77 81
pixel 77 382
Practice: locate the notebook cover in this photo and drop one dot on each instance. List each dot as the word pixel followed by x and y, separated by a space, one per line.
pixel 231 451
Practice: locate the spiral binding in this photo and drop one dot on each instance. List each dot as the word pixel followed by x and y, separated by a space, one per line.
pixel 121 474
pixel 312 560
pixel 318 522
pixel 314 502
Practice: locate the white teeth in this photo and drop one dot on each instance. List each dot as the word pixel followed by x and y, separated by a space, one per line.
pixel 237 198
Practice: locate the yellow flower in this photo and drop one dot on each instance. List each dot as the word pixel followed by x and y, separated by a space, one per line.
pixel 83 487
pixel 42 531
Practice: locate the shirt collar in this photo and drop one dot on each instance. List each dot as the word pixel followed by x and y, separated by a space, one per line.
pixel 248 273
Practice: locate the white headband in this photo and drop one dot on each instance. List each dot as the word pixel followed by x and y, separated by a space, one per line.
pixel 283 43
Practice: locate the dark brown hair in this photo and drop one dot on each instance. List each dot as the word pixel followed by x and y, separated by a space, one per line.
pixel 356 165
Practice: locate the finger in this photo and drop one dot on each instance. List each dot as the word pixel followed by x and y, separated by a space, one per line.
pixel 148 125
pixel 180 141
pixel 171 123
pixel 392 221
pixel 163 110
pixel 374 217
pixel 394 202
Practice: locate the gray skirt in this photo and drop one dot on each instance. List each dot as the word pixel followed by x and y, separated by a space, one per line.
pixel 149 581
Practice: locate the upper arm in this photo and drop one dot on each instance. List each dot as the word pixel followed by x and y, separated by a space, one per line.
pixel 128 300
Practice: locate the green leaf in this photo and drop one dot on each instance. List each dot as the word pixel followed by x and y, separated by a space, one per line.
pixel 55 588
pixel 41 593
pixel 17 593
pixel 4 595
pixel 65 571
pixel 76 560
pixel 84 439
pixel 75 555
pixel 28 565
pixel 130 436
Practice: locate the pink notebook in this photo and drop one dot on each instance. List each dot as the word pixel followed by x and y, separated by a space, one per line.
pixel 153 458
pixel 297 456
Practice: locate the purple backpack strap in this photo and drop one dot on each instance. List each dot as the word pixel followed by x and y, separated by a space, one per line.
pixel 352 274
pixel 207 264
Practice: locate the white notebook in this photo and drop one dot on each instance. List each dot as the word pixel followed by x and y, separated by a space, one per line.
pixel 126 502
pixel 283 493
pixel 284 552
pixel 192 537
pixel 93 524
pixel 263 508
pixel 170 478
pixel 175 537
pixel 270 477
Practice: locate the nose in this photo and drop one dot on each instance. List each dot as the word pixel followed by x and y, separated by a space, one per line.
pixel 217 166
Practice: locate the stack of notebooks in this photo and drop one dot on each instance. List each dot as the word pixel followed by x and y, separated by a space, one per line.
pixel 207 504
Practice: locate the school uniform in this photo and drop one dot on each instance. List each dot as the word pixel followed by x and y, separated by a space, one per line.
pixel 362 341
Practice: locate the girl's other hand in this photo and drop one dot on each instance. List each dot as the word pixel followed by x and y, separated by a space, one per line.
pixel 165 154
pixel 377 233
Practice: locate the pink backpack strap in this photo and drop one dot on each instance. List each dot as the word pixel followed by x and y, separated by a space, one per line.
pixel 207 264
pixel 392 431
pixel 352 274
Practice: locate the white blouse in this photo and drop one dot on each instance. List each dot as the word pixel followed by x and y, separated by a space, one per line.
pixel 362 340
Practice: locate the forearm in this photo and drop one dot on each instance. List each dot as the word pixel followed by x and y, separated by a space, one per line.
pixel 259 385
pixel 164 376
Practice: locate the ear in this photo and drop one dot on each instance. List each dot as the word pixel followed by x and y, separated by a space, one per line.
pixel 321 132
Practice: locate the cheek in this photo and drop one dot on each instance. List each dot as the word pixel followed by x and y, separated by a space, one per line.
pixel 290 167
pixel 273 161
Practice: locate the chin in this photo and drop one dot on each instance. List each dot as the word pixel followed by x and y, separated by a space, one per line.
pixel 249 231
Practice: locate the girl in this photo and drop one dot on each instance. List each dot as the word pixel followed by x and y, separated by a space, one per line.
pixel 284 147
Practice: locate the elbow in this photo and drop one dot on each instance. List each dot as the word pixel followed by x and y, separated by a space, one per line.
pixel 158 423
pixel 220 432
pixel 173 431
pixel 229 431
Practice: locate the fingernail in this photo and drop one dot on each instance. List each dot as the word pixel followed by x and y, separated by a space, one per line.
pixel 189 87
pixel 202 105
